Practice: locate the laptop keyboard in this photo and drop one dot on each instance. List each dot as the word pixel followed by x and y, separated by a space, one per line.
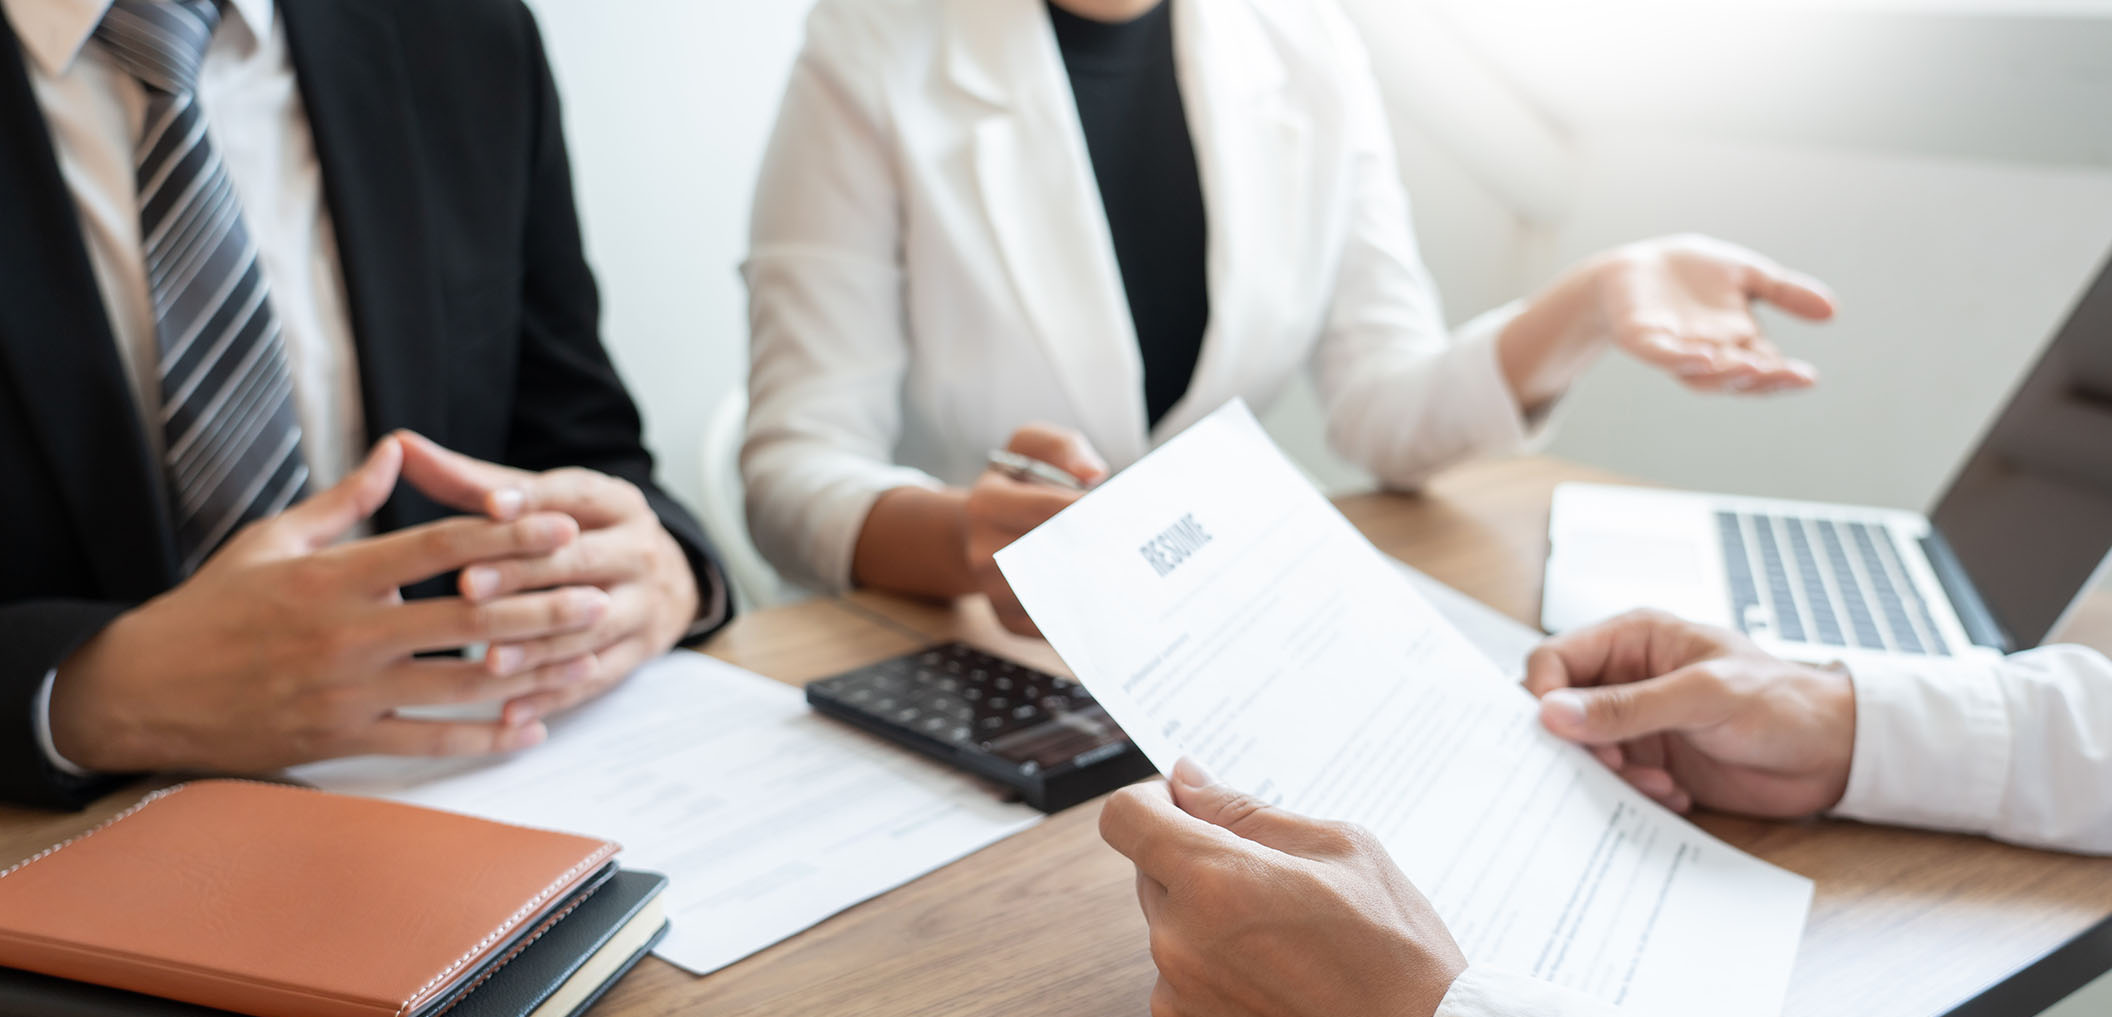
pixel 1824 581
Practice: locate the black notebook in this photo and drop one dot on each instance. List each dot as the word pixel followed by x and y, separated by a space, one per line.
pixel 560 974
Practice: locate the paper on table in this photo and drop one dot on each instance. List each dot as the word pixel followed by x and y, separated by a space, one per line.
pixel 1220 608
pixel 765 817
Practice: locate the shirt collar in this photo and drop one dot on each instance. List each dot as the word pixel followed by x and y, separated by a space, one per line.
pixel 54 31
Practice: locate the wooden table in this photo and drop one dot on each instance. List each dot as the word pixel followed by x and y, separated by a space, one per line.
pixel 1046 923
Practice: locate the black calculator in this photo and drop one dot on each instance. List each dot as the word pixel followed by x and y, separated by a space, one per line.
pixel 1040 735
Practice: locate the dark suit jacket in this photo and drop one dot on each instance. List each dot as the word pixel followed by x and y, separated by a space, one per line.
pixel 473 310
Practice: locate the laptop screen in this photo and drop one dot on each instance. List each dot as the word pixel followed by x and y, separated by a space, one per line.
pixel 2030 514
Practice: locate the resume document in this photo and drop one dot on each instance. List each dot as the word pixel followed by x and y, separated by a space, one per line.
pixel 1219 607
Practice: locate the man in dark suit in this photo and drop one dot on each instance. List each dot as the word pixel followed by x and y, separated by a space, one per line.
pixel 284 286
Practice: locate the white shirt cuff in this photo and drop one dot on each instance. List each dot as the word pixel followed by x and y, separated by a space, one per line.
pixel 1504 425
pixel 1482 991
pixel 1932 746
pixel 808 526
pixel 40 718
pixel 1464 406
pixel 716 602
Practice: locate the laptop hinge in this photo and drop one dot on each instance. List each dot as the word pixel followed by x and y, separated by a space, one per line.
pixel 1979 622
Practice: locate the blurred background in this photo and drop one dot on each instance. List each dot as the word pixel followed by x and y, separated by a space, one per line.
pixel 1945 164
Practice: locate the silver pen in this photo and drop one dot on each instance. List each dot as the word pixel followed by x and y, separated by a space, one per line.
pixel 1027 469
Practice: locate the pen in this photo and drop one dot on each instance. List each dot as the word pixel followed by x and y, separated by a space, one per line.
pixel 1030 470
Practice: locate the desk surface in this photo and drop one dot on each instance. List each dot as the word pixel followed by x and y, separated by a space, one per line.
pixel 1046 923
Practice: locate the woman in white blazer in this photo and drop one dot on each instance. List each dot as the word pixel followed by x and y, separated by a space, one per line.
pixel 933 269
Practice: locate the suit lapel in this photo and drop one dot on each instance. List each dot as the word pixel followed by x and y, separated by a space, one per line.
pixel 1252 154
pixel 359 103
pixel 57 347
pixel 1039 194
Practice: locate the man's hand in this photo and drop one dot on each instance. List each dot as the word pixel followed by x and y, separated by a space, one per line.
pixel 622 549
pixel 1694 715
pixel 285 649
pixel 1255 912
pixel 1001 510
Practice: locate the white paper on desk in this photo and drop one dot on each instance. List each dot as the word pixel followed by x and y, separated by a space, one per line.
pixel 765 817
pixel 1290 658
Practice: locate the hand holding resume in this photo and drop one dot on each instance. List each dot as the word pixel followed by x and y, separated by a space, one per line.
pixel 1220 608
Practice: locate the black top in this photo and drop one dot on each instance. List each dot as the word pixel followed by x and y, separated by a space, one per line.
pixel 1129 101
pixel 473 313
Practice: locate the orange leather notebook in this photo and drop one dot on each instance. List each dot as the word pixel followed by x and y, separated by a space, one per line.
pixel 285 902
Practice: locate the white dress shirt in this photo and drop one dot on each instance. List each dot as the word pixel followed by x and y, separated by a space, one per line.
pixel 256 121
pixel 931 266
pixel 2019 750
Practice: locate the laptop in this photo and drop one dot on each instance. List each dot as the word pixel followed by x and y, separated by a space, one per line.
pixel 2069 982
pixel 2023 531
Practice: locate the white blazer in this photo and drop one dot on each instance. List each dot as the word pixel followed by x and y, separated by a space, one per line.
pixel 931 266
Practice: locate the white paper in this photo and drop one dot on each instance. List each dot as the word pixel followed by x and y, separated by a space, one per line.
pixel 1220 608
pixel 1498 636
pixel 765 817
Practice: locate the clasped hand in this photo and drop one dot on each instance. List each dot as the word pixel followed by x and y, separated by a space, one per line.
pixel 292 644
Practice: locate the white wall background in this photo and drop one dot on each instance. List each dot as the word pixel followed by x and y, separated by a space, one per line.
pixel 1951 276
pixel 1945 164
pixel 668 104
pixel 1950 175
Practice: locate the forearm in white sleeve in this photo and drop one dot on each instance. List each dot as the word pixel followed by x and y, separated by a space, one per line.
pixel 2019 750
pixel 1403 398
pixel 828 352
pixel 1490 992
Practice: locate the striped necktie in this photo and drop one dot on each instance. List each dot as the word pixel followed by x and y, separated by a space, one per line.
pixel 233 448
